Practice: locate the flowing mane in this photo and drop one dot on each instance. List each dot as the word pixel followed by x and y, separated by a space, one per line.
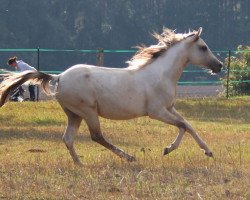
pixel 146 55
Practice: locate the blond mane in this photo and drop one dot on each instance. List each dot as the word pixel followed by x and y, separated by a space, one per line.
pixel 146 55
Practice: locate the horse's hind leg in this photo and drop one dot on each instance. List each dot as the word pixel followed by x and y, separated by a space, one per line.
pixel 73 125
pixel 193 133
pixel 96 135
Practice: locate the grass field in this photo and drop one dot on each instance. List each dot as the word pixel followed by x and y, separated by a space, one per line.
pixel 35 164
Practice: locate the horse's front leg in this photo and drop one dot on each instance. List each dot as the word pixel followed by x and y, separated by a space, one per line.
pixel 193 133
pixel 166 116
pixel 96 135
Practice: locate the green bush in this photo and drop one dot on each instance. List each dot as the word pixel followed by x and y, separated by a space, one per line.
pixel 239 77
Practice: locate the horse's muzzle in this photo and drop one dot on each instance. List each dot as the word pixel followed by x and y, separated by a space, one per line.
pixel 216 68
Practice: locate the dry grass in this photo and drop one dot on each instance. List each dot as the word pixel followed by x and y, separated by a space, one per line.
pixel 35 164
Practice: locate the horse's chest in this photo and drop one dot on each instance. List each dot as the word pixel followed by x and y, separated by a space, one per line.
pixel 163 94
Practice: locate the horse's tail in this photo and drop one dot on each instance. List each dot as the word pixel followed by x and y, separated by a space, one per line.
pixel 13 81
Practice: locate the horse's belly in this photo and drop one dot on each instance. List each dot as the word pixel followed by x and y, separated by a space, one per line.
pixel 119 111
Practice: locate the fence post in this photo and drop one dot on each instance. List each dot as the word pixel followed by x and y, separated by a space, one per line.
pixel 38 69
pixel 100 57
pixel 228 72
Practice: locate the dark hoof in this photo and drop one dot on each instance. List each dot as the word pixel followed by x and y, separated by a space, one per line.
pixel 209 154
pixel 131 159
pixel 166 151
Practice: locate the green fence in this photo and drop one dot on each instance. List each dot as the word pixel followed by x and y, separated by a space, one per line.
pixel 101 53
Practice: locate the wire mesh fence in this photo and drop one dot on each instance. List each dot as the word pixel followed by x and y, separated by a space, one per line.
pixel 194 82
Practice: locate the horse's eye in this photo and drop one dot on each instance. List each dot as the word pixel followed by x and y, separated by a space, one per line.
pixel 203 48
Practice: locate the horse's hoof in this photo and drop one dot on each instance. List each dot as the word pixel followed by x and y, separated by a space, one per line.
pixel 166 151
pixel 131 159
pixel 79 164
pixel 209 154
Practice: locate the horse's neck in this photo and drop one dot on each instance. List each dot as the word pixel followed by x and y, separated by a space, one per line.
pixel 171 64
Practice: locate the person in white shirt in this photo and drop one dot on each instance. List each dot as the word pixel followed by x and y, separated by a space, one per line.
pixel 22 66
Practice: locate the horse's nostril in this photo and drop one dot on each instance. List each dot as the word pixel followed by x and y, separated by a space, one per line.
pixel 220 65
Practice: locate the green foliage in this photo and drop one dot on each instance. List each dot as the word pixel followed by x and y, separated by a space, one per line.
pixel 239 77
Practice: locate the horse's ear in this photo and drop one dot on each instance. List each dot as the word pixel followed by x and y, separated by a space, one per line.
pixel 196 35
pixel 199 31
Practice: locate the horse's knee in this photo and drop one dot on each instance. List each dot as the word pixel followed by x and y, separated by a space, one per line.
pixel 68 141
pixel 181 125
pixel 96 137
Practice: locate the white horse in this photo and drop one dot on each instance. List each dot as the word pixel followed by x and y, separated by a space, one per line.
pixel 147 87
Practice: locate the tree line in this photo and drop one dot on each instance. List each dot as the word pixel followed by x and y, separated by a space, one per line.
pixel 112 24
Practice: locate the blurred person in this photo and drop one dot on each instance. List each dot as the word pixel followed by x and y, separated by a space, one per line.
pixel 22 66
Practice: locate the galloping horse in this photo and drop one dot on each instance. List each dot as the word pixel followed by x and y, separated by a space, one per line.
pixel 147 87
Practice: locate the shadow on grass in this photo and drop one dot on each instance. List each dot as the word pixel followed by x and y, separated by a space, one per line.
pixel 56 135
pixel 46 122
pixel 40 135
pixel 36 122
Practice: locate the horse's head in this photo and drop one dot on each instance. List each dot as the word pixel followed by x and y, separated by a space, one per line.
pixel 200 54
